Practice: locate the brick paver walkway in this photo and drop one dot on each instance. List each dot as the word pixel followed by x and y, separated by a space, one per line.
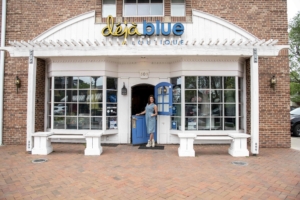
pixel 125 172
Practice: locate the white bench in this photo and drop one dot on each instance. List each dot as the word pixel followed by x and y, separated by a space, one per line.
pixel 238 146
pixel 42 142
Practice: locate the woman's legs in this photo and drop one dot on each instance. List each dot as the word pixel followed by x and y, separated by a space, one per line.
pixel 151 136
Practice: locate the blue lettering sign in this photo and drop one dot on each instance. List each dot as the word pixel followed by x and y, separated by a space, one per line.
pixel 163 29
pixel 146 31
pixel 178 29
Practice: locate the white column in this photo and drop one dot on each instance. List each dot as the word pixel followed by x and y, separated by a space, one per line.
pixel 254 104
pixel 2 57
pixel 31 100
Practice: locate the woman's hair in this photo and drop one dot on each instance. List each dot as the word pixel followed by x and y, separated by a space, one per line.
pixel 149 99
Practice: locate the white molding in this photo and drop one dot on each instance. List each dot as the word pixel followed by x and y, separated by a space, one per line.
pixel 254 81
pixel 64 24
pixel 225 23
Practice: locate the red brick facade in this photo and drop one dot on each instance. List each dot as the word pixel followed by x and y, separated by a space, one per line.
pixel 264 19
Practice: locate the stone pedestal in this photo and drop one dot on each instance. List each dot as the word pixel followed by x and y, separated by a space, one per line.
pixel 93 144
pixel 238 147
pixel 186 148
pixel 41 145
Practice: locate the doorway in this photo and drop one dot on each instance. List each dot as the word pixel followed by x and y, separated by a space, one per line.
pixel 139 99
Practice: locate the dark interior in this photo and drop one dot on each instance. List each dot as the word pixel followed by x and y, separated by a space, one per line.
pixel 139 98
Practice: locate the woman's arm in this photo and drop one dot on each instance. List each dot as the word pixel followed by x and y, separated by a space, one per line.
pixel 141 113
pixel 155 111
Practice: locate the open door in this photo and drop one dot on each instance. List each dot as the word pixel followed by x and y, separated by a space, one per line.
pixel 140 94
pixel 163 100
pixel 164 96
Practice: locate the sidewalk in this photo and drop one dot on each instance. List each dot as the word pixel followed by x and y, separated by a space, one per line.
pixel 126 172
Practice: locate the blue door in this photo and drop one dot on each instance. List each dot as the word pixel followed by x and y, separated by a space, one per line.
pixel 139 131
pixel 163 99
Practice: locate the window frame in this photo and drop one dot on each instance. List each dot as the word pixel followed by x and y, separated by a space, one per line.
pixel 163 11
pixel 184 6
pixel 115 14
pixel 238 115
pixel 51 89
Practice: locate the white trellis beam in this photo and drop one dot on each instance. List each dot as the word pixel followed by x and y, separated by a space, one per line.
pixel 45 43
pixel 97 43
pixel 60 43
pixel 268 42
pixel 217 41
pixel 261 42
pixel 209 41
pixel 89 42
pixel 68 43
pixel 201 42
pixel 239 42
pixel 224 42
pixel 52 43
pixel 82 43
pixel 232 41
pixel 274 42
pixel 74 43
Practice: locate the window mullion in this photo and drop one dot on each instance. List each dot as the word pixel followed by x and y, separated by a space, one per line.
pixel 237 116
pixel 104 91
pixel 52 102
pixel 182 103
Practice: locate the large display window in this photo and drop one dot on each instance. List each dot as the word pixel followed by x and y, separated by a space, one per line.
pixel 78 102
pixel 211 103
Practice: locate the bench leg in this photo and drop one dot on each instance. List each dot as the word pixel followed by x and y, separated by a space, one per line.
pixel 186 148
pixel 93 146
pixel 238 147
pixel 42 146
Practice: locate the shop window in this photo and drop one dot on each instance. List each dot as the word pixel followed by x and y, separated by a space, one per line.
pixel 109 8
pixel 77 103
pixel 210 103
pixel 143 8
pixel 176 107
pixel 177 8
pixel 111 103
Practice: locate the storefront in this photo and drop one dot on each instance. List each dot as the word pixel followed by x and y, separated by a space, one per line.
pixel 98 75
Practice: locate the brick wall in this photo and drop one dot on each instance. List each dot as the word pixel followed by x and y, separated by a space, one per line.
pixel 265 19
pixel 40 95
pixel 15 104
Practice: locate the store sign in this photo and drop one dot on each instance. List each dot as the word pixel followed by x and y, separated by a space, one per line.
pixel 148 29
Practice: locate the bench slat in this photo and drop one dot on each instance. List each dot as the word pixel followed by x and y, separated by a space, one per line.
pixel 213 138
pixel 67 136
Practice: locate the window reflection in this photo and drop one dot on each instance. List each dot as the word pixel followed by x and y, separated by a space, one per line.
pixel 76 100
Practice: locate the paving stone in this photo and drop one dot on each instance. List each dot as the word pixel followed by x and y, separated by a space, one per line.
pixel 125 172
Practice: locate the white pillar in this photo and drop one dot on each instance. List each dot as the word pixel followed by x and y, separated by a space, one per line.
pixel 2 57
pixel 31 100
pixel 254 103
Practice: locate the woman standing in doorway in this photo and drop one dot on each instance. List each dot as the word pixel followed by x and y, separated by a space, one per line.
pixel 151 113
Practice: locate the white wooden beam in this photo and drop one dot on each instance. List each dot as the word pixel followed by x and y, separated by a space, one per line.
pixel 273 43
pixel 239 42
pixel 89 42
pixel 209 41
pixel 75 43
pixel 225 41
pixel 201 42
pixel 60 43
pixel 52 43
pixel 97 43
pixel 261 42
pixel 231 42
pixel 217 41
pixel 82 43
pixel 68 43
